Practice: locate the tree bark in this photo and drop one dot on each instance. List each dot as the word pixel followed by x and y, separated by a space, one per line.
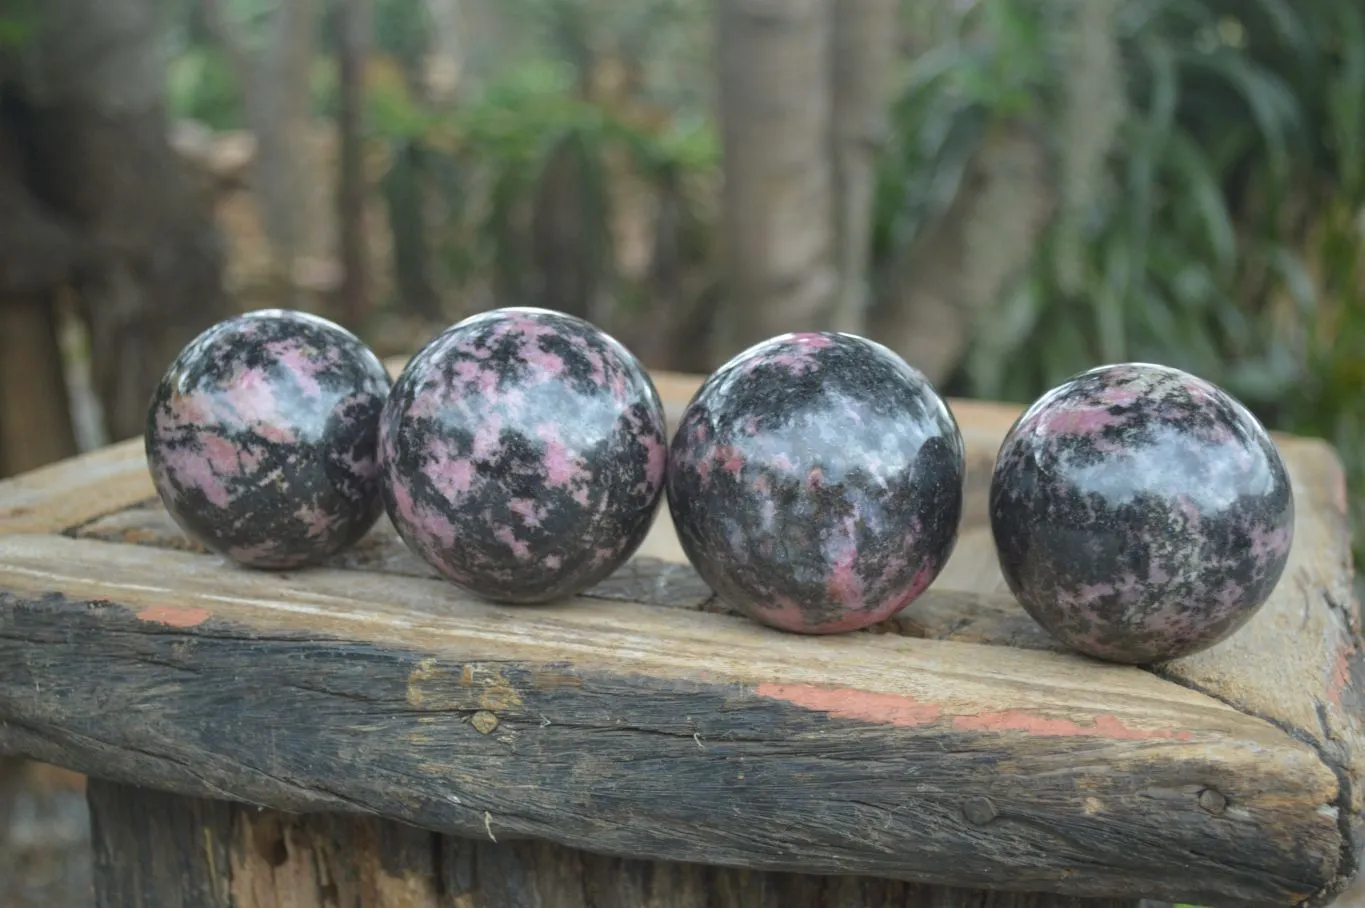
pixel 354 25
pixel 37 254
pixel 942 284
pixel 275 93
pixel 93 138
pixel 566 231
pixel 804 89
pixel 775 116
pixel 404 189
pixel 864 50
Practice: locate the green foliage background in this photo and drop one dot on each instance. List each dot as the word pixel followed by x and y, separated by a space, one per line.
pixel 1210 159
pixel 1208 172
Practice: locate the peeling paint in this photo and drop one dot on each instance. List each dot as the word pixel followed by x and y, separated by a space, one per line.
pixel 174 616
pixel 905 711
pixel 1341 674
pixel 842 703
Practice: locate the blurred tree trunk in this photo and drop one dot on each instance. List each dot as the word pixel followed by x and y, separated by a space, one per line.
pixel 417 33
pixel 85 117
pixel 275 90
pixel 778 200
pixel 35 421
pixel 941 285
pixel 566 231
pixel 37 254
pixel 803 94
pixel 568 211
pixel 354 25
pixel 864 51
pixel 404 187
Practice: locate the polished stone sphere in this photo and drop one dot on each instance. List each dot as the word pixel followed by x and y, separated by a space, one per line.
pixel 523 454
pixel 261 438
pixel 1140 513
pixel 816 482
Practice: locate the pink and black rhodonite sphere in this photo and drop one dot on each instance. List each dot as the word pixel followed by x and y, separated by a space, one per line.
pixel 1140 513
pixel 523 454
pixel 816 482
pixel 261 438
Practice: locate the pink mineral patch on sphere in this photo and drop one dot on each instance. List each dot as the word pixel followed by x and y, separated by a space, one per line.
pixel 260 438
pixel 816 483
pixel 1140 513
pixel 523 455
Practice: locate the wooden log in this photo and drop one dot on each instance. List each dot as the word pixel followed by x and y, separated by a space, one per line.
pixel 956 745
pixel 157 850
pixel 651 732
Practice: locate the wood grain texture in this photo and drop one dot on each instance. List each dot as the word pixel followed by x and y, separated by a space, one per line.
pixel 653 733
pixel 68 493
pixel 660 575
pixel 1299 664
pixel 156 850
pixel 159 850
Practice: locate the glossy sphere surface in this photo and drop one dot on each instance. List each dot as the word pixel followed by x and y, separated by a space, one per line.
pixel 816 482
pixel 261 438
pixel 1140 513
pixel 523 454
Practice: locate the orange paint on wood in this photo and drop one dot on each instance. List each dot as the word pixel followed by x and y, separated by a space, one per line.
pixel 896 709
pixel 174 615
pixel 1341 675
pixel 884 709
pixel 1103 726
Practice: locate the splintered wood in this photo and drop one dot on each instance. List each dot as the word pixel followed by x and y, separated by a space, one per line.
pixel 956 745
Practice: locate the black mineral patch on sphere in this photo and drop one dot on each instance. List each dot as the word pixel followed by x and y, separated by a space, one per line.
pixel 816 482
pixel 523 454
pixel 1140 513
pixel 261 438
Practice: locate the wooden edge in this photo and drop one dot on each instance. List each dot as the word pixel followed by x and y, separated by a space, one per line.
pixel 1299 662
pixel 71 492
pixel 340 860
pixel 652 733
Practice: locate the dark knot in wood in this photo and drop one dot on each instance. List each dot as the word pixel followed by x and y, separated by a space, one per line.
pixel 1213 801
pixel 979 811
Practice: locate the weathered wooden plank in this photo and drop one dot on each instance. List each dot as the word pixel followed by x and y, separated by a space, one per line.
pixel 948 611
pixel 1298 663
pixel 543 875
pixel 171 851
pixel 652 733
pixel 71 492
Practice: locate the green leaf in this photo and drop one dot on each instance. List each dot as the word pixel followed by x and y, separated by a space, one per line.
pixel 1204 196
pixel 1288 266
pixel 1346 102
pixel 1271 103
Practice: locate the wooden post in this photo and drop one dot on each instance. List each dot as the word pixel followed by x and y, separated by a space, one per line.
pixel 155 850
pixel 35 417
